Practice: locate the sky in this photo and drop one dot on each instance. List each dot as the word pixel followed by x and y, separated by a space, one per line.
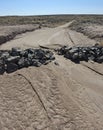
pixel 46 7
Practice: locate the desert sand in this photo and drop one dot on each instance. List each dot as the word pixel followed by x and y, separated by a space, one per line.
pixel 64 97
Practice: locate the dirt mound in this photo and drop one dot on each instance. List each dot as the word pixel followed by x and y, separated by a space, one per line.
pixel 9 32
pixel 91 28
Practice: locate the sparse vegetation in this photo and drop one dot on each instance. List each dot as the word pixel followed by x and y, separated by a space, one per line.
pixel 90 25
pixel 46 20
pixel 51 20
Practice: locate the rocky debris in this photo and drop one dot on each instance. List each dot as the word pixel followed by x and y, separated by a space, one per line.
pixel 16 58
pixel 77 54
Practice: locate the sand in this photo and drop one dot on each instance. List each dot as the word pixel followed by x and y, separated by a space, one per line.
pixel 64 97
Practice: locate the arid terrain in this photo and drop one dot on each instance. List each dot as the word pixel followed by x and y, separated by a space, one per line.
pixel 66 96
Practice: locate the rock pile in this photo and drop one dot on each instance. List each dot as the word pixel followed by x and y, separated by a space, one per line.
pixel 77 54
pixel 11 60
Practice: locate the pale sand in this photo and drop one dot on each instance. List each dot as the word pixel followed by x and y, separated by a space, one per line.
pixel 64 97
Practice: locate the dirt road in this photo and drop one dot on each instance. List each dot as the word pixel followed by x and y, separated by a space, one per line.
pixel 64 97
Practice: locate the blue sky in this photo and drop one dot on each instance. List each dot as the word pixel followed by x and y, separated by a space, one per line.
pixel 42 7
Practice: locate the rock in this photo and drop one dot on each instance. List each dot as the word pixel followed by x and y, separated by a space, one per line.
pixel 21 62
pixel 30 51
pixel 39 54
pixel 56 63
pixel 67 55
pixel 99 59
pixel 47 62
pixel 49 55
pixel 93 53
pixel 24 53
pixel 61 51
pixel 11 67
pixel 74 50
pixel 5 55
pixel 16 58
pixel 2 67
pixel 92 58
pixel 36 63
pixel 15 51
pixel 13 59
pixel 75 56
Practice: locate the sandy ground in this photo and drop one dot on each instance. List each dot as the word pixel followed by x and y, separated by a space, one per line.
pixel 64 97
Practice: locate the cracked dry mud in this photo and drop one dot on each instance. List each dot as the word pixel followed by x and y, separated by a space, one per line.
pixel 64 97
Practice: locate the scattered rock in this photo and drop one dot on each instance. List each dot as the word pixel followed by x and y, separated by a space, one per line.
pixel 56 63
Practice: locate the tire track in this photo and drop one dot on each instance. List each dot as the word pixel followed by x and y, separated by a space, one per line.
pixel 92 69
pixel 47 86
pixel 71 38
pixel 36 93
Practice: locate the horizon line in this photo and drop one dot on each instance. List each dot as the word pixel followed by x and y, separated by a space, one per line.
pixel 50 14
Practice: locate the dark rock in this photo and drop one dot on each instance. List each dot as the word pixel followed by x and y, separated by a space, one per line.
pixel 39 54
pixel 21 62
pixel 47 62
pixel 77 54
pixel 67 55
pixel 99 59
pixel 36 63
pixel 91 58
pixel 11 67
pixel 15 51
pixel 5 55
pixel 2 66
pixel 30 51
pixel 74 50
pixel 17 58
pixel 12 59
pixel 49 55
pixel 24 53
